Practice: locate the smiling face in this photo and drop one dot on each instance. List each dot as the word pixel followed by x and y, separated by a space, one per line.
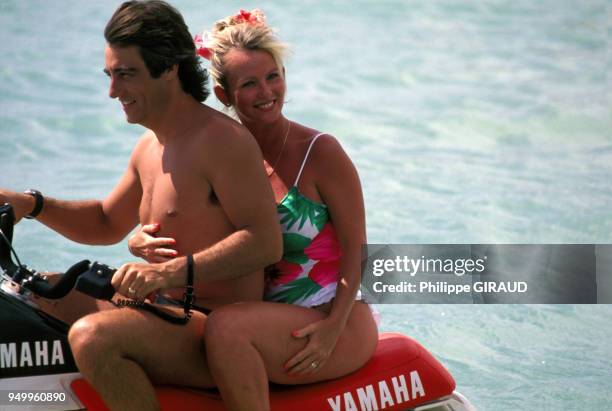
pixel 255 85
pixel 140 95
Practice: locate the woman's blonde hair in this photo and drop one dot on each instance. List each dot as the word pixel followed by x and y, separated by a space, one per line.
pixel 245 30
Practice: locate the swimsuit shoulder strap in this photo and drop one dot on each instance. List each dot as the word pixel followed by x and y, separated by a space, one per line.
pixel 306 158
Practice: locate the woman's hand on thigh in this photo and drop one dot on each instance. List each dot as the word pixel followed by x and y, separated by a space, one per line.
pixel 322 338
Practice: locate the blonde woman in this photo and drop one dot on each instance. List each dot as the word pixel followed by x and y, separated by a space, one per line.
pixel 311 326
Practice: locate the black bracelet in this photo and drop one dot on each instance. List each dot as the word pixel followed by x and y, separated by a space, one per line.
pixel 38 205
pixel 188 296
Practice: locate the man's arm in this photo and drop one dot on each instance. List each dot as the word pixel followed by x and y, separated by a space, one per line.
pixel 90 221
pixel 239 180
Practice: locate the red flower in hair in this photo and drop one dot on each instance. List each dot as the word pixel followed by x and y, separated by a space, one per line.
pixel 244 15
pixel 254 17
pixel 201 49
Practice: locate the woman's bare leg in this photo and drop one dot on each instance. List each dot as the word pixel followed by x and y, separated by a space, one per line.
pixel 249 343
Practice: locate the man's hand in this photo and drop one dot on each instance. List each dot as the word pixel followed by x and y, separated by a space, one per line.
pixel 22 204
pixel 153 249
pixel 137 280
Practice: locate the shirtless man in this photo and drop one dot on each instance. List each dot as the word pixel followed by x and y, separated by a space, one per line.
pixel 199 175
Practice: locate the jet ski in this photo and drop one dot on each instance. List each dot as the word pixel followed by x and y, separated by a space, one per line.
pixel 35 358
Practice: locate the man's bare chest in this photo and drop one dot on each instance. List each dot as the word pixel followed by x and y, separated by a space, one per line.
pixel 173 191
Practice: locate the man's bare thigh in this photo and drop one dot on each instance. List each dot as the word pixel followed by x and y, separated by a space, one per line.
pixel 168 353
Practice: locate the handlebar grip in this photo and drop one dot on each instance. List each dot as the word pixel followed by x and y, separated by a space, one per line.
pixel 96 282
pixel 63 286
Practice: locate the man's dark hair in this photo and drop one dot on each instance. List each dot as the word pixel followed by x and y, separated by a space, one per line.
pixel 163 39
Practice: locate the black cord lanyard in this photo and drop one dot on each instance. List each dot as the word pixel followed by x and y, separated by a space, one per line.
pixel 188 296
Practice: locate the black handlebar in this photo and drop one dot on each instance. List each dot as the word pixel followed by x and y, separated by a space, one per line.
pixel 60 289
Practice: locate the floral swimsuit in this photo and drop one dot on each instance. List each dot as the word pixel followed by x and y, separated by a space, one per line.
pixel 308 272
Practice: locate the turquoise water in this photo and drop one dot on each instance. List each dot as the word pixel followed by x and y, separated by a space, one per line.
pixel 469 122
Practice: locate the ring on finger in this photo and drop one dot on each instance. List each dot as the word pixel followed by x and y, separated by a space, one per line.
pixel 313 365
pixel 131 291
